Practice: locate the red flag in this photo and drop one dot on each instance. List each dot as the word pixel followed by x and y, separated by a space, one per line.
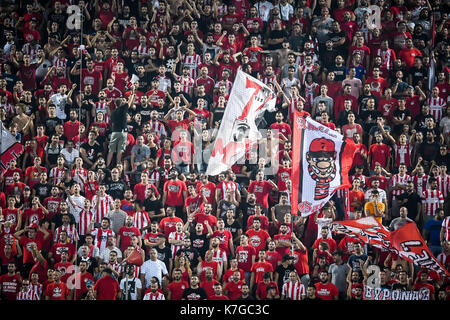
pixel 411 246
pixel 321 160
pixel 367 230
pixel 135 258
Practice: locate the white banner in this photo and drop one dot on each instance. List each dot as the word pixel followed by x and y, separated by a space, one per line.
pixel 10 148
pixel 321 161
pixel 386 294
pixel 248 100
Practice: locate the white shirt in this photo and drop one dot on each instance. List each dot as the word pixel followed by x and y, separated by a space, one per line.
pixel 151 269
pixel 133 285
pixel 75 210
pixel 70 156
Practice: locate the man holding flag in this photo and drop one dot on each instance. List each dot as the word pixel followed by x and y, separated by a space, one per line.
pixel 249 99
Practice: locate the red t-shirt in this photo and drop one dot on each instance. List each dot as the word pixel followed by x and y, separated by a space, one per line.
pixel 57 291
pixel 176 289
pixel 326 291
pixel 264 221
pixel 257 239
pixel 224 238
pixel 209 287
pixel 273 257
pixel 244 257
pixel 167 225
pixel 107 288
pixel 201 218
pixel 25 243
pixel 379 154
pixel 10 285
pixel 234 289
pixel 260 268
pixel 125 234
pixel 261 290
pixel 261 190
pixel 174 190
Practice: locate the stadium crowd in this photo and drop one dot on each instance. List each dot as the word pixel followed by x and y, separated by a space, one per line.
pixel 108 114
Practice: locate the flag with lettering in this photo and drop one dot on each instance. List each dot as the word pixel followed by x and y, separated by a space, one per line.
pixel 249 99
pixel 368 230
pixel 10 149
pixel 321 160
pixel 409 245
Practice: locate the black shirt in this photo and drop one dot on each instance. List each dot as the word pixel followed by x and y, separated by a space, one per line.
pixel 92 152
pixel 119 118
pixel 201 243
pixel 283 274
pixel 413 200
pixel 42 190
pixel 164 254
pixel 191 254
pixel 429 151
pixel 194 294
pixel 153 206
pixel 116 189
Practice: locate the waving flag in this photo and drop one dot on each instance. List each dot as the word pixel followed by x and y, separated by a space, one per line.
pixel 10 149
pixel 367 230
pixel 321 160
pixel 248 100
pixel 410 245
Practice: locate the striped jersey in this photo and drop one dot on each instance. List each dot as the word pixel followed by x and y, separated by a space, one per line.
pixel 420 183
pixel 443 184
pixel 158 295
pixel 85 219
pixel 101 237
pixel 431 199
pixel 192 62
pixel 446 227
pixel 56 175
pixel 103 208
pixel 38 287
pixel 176 236
pixel 27 295
pixel 398 180
pixel 437 106
pixel 141 220
pixel 293 290
pixel 72 233
pixel 187 84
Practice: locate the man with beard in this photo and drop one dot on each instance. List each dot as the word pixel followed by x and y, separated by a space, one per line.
pixel 131 287
pixel 246 256
pixel 194 292
pixel 177 286
pixel 190 253
pixel 199 239
pixel 126 232
pixel 325 289
pixel 247 209
pixel 85 255
pixel 116 187
pixel 84 278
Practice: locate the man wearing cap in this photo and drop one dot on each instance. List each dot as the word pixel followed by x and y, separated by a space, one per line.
pixel 320 157
pixel 283 270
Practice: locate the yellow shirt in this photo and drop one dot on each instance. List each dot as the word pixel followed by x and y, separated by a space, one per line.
pixel 370 207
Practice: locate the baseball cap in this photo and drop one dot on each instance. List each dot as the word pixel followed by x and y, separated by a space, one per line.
pixel 287 257
pixel 321 145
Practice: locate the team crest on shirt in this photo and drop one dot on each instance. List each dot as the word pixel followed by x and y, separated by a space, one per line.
pixel 255 241
pixel 57 292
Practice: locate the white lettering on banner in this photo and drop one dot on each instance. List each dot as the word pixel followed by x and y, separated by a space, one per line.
pixel 423 259
pixel 74 19
pixel 386 294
